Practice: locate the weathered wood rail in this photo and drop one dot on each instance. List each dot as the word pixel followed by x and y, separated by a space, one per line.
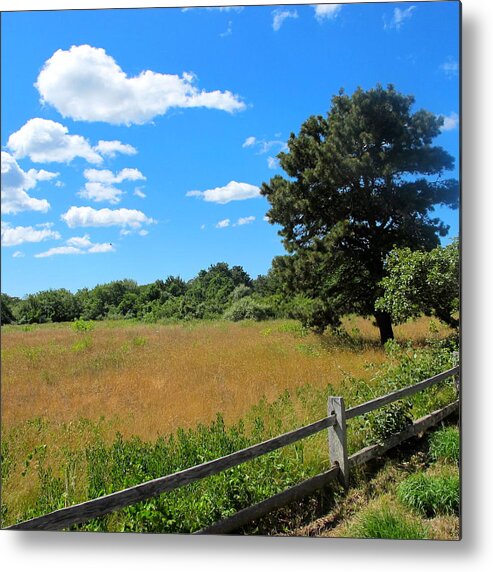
pixel 335 422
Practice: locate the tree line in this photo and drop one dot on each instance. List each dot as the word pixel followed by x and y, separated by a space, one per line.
pixel 416 283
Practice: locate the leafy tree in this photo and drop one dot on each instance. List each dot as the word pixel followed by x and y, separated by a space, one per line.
pixel 420 282
pixel 104 299
pixel 208 294
pixel 49 306
pixel 6 309
pixel 362 180
pixel 248 308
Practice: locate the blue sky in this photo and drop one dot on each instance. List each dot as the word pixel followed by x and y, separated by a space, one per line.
pixel 134 141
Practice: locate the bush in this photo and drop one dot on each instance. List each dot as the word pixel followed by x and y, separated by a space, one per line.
pixel 389 420
pixel 387 523
pixel 445 445
pixel 431 495
pixel 248 308
pixel 82 325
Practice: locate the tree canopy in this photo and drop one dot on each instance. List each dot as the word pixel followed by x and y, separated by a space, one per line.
pixel 361 180
pixel 418 282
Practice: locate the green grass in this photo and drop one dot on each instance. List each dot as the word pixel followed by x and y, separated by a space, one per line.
pixel 432 495
pixel 386 522
pixel 445 445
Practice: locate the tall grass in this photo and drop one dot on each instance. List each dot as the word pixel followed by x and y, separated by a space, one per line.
pixel 388 523
pixel 89 410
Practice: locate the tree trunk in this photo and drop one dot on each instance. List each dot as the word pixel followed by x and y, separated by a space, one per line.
pixel 384 323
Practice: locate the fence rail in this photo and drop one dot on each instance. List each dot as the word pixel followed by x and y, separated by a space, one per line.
pixel 335 422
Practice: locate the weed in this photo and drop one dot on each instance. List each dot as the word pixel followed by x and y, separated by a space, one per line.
pixel 139 341
pixel 81 345
pixel 82 326
pixel 386 522
pixel 388 420
pixel 431 495
pixel 444 445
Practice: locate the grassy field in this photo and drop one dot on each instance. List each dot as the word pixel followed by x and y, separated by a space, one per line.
pixel 65 391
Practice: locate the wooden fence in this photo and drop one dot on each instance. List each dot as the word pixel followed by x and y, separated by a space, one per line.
pixel 335 422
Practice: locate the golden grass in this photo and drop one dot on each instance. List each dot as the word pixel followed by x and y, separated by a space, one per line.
pixel 152 379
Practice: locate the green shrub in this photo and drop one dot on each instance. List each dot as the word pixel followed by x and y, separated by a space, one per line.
pixel 388 420
pixel 431 495
pixel 445 445
pixel 387 523
pixel 82 325
pixel 248 308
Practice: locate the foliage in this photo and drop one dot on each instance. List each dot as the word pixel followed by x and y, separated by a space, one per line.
pixel 81 325
pixel 388 420
pixel 6 309
pixel 387 523
pixel 359 184
pixel 248 308
pixel 445 445
pixel 431 495
pixel 125 463
pixel 419 282
pixel 48 306
pixel 406 365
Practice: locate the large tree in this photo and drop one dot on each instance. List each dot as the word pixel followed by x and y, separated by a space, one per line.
pixel 361 180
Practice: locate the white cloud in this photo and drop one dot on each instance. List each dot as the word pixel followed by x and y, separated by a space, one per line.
pixel 42 175
pixel 99 186
pixel 399 17
pixel 266 218
pixel 249 141
pixel 327 11
pixel 265 145
pixel 80 241
pixel 104 247
pixel 244 220
pixel 450 67
pixel 16 235
pixel 78 245
pixel 111 148
pixel 87 84
pixel 138 192
pixel 143 232
pixel 59 250
pixel 107 176
pixel 450 122
pixel 46 141
pixel 202 227
pixel 15 183
pixel 228 31
pixel 87 216
pixel 223 223
pixel 100 192
pixel 59 184
pixel 280 15
pixel 233 191
pixel 272 162
pixel 18 254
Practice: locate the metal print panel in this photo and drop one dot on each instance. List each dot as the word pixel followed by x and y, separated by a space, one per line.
pixel 230 270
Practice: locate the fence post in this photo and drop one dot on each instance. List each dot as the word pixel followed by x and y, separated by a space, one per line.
pixel 337 438
pixel 456 377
